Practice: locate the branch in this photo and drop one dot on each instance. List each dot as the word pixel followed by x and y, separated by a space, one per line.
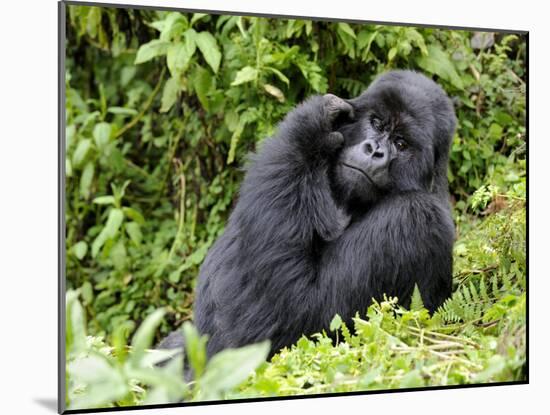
pixel 146 106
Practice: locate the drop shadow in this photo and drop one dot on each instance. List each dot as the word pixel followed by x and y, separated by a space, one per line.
pixel 47 403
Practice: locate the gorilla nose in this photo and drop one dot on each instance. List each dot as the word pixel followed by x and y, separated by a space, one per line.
pixel 375 151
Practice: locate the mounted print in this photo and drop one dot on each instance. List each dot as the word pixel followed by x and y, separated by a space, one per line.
pixel 273 207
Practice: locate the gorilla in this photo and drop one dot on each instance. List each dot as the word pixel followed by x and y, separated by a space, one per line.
pixel 347 202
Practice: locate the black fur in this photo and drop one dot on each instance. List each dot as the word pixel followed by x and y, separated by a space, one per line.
pixel 347 202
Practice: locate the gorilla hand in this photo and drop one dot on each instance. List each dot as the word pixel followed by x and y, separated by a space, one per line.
pixel 311 127
pixel 336 111
pixel 336 107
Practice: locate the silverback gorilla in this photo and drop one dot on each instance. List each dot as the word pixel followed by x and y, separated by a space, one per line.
pixel 347 202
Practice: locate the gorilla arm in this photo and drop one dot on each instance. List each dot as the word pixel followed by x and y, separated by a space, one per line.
pixel 288 177
pixel 403 240
pixel 256 280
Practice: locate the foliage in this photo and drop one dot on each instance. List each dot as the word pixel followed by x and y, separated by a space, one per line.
pixel 102 376
pixel 477 336
pixel 162 109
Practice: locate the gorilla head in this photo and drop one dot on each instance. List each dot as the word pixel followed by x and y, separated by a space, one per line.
pixel 399 140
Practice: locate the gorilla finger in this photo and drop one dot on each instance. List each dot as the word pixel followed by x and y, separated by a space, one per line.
pixel 336 106
pixel 335 140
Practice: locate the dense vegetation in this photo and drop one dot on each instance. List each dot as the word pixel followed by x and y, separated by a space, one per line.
pixel 161 110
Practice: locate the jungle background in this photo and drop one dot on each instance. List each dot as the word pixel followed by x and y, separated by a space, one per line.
pixel 162 109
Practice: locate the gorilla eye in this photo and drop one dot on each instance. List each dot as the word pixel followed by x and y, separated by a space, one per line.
pixel 401 144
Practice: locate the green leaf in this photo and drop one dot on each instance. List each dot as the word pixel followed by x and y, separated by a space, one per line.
pixel 68 167
pixel 81 151
pixel 416 299
pixel 231 367
pixel 234 141
pixel 231 120
pixel 80 249
pixel 414 36
pixel 102 133
pixel 134 232
pixel 118 255
pixel 109 230
pixel 113 222
pixel 87 292
pixel 120 336
pixel 134 215
pixel 336 323
pixel 177 59
pixel 437 62
pixel 167 383
pixel 195 348
pixel 203 84
pixel 103 383
pixel 143 338
pixel 413 379
pixel 175 276
pixel 392 53
pixel 151 50
pixel 196 17
pixel 495 131
pixel 178 55
pixel 174 23
pixel 104 200
pixel 70 132
pixel 279 74
pixel 122 111
pixel 190 42
pixel 246 74
pixel 346 28
pixel 75 339
pixel 495 365
pixel 93 21
pixel 208 46
pixel 169 94
pixel 86 180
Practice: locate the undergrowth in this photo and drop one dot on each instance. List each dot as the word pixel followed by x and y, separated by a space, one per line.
pixel 477 336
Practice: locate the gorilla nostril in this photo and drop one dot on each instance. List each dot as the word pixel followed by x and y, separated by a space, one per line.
pixel 368 148
pixel 378 154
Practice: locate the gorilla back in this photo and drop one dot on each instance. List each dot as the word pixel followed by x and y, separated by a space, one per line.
pixel 348 201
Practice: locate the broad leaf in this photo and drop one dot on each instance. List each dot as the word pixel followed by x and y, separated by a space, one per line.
pixel 151 50
pixel 346 28
pixel 102 133
pixel 81 152
pixel 169 94
pixel 203 83
pixel 104 200
pixel 80 249
pixel 231 367
pixel 438 63
pixel 209 48
pixel 86 180
pixel 246 74
pixel 109 230
pixel 143 338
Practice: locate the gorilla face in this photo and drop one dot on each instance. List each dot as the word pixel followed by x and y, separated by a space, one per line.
pixel 392 146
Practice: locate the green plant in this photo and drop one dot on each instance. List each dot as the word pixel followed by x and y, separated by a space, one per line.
pixel 100 376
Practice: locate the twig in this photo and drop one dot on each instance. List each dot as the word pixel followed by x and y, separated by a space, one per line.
pixel 181 219
pixel 445 336
pixel 146 106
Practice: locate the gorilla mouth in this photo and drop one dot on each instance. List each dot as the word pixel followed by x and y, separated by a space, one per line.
pixel 349 166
